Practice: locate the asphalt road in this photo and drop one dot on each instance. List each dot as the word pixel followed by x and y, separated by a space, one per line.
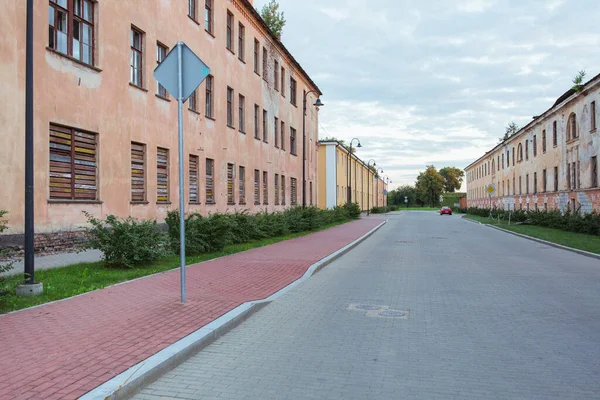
pixel 429 307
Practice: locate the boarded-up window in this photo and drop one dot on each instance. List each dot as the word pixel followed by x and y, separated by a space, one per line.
pixel 230 185
pixel 194 194
pixel 162 175
pixel 310 193
pixel 594 162
pixel 138 172
pixel 256 187
pixel 294 200
pixel 242 185
pixel 283 190
pixel 73 164
pixel 210 181
pixel 265 188
pixel 556 179
pixel 276 186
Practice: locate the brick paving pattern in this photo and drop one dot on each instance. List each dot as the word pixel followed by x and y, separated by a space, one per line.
pixel 65 349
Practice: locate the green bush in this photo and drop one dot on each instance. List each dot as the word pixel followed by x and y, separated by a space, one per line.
pixel 126 242
pixel 245 227
pixel 202 234
pixel 8 266
pixel 353 210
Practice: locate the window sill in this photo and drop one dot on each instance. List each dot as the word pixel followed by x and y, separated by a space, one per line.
pixel 265 142
pixel 242 204
pixel 209 117
pixel 242 132
pixel 138 202
pixel 194 203
pixel 257 138
pixel 231 51
pixel 593 130
pixel 294 154
pixel 230 126
pixel 67 201
pixel 230 204
pixel 163 202
pixel 194 20
pixel 265 204
pixel 242 60
pixel 209 32
pixel 256 72
pixel 210 203
pixel 58 53
pixel 265 79
pixel 163 98
pixel 137 87
pixel 194 111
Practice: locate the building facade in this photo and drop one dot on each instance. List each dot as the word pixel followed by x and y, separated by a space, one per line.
pixel 550 164
pixel 106 131
pixel 343 176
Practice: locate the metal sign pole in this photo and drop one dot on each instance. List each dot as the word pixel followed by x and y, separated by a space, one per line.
pixel 490 205
pixel 181 180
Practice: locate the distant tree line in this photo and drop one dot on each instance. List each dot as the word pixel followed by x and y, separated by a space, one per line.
pixel 429 186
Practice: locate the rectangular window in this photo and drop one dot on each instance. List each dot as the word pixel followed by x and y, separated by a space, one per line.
pixel 161 53
pixel 593 115
pixel 535 186
pixel 276 186
pixel 294 200
pixel 192 102
pixel 256 121
pixel 137 58
pixel 293 91
pixel 556 179
pixel 578 176
pixel 229 37
pixel 210 181
pixel 293 141
pixel 71 28
pixel 209 97
pixel 526 149
pixel 574 177
pixel 568 175
pixel 241 41
pixel 230 107
pixel 162 175
pixel 594 162
pixel 310 193
pixel 513 156
pixel 276 126
pixel 265 71
pixel 513 186
pixel 242 185
pixel 507 159
pixel 545 180
pixel 192 9
pixel 194 173
pixel 138 172
pixel 554 135
pixel 208 16
pixel 282 81
pixel 276 74
pixel 283 190
pixel 73 164
pixel 544 141
pixel 256 187
pixel 535 145
pixel 282 133
pixel 265 188
pixel 242 113
pixel 520 185
pixel 230 185
pixel 527 183
pixel 264 122
pixel 256 56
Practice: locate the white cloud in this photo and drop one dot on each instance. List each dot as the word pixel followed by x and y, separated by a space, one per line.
pixel 474 6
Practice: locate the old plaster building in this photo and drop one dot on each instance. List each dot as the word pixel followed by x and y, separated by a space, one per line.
pixel 106 131
pixel 550 164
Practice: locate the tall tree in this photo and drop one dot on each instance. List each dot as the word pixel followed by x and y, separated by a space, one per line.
pixel 453 178
pixel 396 196
pixel 430 185
pixel 273 17
pixel 511 129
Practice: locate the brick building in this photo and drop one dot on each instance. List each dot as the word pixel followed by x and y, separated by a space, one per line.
pixel 550 164
pixel 106 132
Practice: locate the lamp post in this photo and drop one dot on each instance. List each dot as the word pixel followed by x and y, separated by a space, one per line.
pixel 379 170
pixel 387 182
pixel 368 180
pixel 317 104
pixel 350 167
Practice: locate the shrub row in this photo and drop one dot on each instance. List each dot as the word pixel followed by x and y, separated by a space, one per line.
pixel 8 266
pixel 381 210
pixel 129 242
pixel 588 223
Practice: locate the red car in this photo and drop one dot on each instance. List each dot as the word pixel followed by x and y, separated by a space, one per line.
pixel 446 210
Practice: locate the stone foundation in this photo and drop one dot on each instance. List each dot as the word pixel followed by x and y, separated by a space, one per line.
pixel 44 243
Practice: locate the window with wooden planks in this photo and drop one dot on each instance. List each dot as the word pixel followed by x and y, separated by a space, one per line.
pixel 138 172
pixel 73 164
pixel 265 188
pixel 242 185
pixel 193 180
pixel 276 125
pixel 310 193
pixel 282 133
pixel 162 175
pixel 210 181
pixel 256 187
pixel 265 59
pixel 230 185
pixel 294 190
pixel 283 190
pixel 276 186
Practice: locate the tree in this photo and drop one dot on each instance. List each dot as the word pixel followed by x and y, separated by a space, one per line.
pixel 273 17
pixel 511 129
pixel 453 178
pixel 430 185
pixel 396 196
pixel 578 80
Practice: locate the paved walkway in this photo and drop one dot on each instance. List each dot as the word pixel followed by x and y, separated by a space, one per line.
pixel 65 349
pixel 57 261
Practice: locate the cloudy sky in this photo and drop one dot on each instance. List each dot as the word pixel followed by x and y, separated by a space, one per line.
pixel 436 82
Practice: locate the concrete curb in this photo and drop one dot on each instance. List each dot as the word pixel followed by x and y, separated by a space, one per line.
pixel 130 381
pixel 558 246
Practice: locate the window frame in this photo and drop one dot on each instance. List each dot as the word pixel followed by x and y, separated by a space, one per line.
pixel 242 185
pixel 544 141
pixel 593 125
pixel 195 175
pixel 230 184
pixel 256 56
pixel 141 164
pixel 193 101
pixel 209 181
pixel 276 131
pixel 265 64
pixel 72 17
pixel 293 90
pixel 554 134
pixel 209 17
pixel 282 81
pixel 241 113
pixel 256 187
pixel 265 188
pixel 276 75
pixel 133 50
pixel 293 142
pixel 161 54
pixel 208 97
pixel 229 31
pixel 192 10
pixel 167 168
pixel 230 106
pixel 282 133
pixel 594 171
pixel 241 42
pixel 265 123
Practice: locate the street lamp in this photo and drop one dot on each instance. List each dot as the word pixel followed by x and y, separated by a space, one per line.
pixel 350 168
pixel 368 180
pixel 387 182
pixel 318 103
pixel 379 170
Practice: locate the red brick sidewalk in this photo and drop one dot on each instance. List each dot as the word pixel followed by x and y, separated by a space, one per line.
pixel 65 349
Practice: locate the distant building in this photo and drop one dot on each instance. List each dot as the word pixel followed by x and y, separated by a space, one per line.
pixel 344 177
pixel 106 131
pixel 550 164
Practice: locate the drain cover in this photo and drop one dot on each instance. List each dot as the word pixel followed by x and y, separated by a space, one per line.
pixel 392 313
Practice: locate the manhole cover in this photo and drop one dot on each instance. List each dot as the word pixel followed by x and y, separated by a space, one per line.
pixel 392 313
pixel 366 307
